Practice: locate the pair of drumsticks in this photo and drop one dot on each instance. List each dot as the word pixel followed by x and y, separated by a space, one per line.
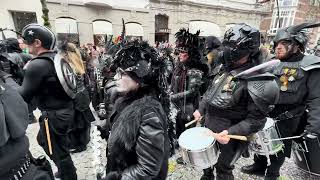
pixel 238 137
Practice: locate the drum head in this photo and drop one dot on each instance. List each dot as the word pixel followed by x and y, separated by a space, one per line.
pixel 269 123
pixel 195 138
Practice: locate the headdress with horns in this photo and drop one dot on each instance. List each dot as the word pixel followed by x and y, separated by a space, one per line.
pixel 295 33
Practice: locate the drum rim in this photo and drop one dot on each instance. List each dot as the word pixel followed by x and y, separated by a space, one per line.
pixel 273 152
pixel 199 150
pixel 305 171
pixel 273 124
pixel 213 142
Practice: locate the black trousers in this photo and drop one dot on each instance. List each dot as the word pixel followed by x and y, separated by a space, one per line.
pixel 276 161
pixel 59 124
pixel 229 154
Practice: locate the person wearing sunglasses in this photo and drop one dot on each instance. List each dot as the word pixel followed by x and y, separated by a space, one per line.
pixel 138 142
pixel 187 80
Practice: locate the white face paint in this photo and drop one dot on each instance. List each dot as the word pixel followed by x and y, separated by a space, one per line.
pixel 124 83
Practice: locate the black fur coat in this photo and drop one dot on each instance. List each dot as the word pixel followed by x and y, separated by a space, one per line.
pixel 138 146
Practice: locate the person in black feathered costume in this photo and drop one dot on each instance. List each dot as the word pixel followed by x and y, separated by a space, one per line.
pixel 187 77
pixel 138 142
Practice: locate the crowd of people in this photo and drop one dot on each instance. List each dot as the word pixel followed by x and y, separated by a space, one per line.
pixel 146 95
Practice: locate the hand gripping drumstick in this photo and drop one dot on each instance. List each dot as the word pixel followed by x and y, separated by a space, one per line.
pixel 193 121
pixel 46 125
pixel 238 137
pixel 242 138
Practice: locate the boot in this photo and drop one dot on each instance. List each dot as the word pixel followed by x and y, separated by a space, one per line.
pixel 207 174
pixel 67 170
pixel 254 169
pixel 225 176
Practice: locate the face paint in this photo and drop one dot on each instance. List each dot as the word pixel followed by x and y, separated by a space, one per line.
pixel 124 83
pixel 285 49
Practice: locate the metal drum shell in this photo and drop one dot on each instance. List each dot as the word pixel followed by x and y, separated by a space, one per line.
pixel 261 145
pixel 201 159
pixel 307 160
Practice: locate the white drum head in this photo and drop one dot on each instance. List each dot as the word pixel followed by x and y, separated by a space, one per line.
pixel 269 123
pixel 195 138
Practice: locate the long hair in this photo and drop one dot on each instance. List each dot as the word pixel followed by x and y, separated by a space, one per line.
pixel 74 57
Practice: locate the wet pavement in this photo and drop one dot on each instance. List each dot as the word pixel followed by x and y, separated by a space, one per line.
pixel 84 163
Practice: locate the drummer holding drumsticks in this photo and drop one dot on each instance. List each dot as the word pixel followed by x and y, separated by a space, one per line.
pixel 233 104
pixel 298 76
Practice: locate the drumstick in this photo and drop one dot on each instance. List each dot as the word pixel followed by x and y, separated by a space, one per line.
pixel 48 135
pixel 193 121
pixel 238 137
pixel 242 138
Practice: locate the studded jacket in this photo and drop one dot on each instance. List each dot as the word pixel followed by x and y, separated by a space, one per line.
pixel 298 78
pixel 185 87
pixel 238 105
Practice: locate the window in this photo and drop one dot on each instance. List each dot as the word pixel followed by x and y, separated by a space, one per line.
pixel 314 2
pixel 134 31
pixel 67 29
pixel 206 28
pixel 286 18
pixel 101 30
pixel 286 3
pixel 21 19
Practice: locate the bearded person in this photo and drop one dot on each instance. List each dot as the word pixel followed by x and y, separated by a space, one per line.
pixel 298 76
pixel 187 78
pixel 235 103
pixel 138 145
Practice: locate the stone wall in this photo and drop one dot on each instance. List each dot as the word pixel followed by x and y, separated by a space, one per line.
pixel 85 15
pixel 16 5
pixel 180 14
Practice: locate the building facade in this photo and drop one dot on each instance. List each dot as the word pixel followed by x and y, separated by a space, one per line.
pixel 210 17
pixel 292 12
pixel 91 20
pixel 15 15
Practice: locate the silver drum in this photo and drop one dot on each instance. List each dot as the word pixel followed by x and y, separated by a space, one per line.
pixel 261 144
pixel 198 149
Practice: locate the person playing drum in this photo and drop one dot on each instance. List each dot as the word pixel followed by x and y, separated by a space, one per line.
pixel 298 76
pixel 237 105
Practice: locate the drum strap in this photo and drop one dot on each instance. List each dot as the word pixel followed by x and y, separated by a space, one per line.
pixel 296 112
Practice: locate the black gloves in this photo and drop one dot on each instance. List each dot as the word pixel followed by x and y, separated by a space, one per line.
pixel 105 130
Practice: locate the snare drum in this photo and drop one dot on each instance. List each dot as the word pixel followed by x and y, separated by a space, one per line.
pixel 307 158
pixel 198 149
pixel 261 144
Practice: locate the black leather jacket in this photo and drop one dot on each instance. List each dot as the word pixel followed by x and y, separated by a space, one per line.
pixel 138 144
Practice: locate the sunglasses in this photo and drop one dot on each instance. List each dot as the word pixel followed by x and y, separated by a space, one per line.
pixel 119 73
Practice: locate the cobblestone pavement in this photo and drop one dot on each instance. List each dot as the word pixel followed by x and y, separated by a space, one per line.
pixel 85 169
